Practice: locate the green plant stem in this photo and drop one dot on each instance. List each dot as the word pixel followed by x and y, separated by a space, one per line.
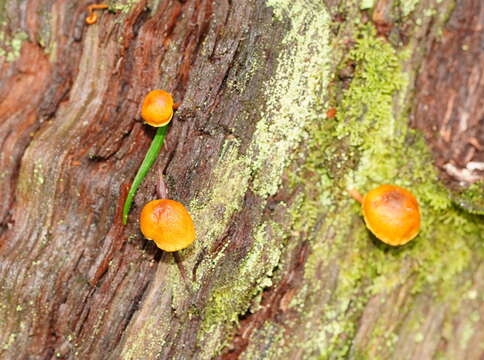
pixel 148 161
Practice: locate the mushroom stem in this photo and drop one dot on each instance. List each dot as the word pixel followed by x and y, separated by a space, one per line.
pixel 93 7
pixel 161 188
pixel 183 273
pixel 356 195
pixel 178 261
pixel 148 161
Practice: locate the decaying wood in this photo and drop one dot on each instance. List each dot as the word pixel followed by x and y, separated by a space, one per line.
pixel 450 93
pixel 77 284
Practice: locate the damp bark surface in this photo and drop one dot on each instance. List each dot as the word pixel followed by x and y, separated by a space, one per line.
pixel 284 106
pixel 452 117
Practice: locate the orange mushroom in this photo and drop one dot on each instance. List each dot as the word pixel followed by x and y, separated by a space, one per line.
pixel 92 17
pixel 391 213
pixel 168 224
pixel 157 109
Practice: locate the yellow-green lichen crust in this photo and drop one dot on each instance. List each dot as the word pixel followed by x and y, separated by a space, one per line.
pixel 123 6
pixel 10 46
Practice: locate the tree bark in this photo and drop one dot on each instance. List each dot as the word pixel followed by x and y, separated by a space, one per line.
pixel 284 106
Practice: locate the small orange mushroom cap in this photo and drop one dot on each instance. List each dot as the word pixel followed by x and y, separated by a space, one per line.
pixel 91 19
pixel 392 214
pixel 157 108
pixel 168 224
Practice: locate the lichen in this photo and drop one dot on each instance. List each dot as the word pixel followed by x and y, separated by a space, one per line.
pixel 10 46
pixel 367 4
pixel 292 103
pixel 9 342
pixel 149 341
pixel 407 6
pixel 214 208
pixel 293 94
pixel 268 350
pixel 11 38
pixel 123 6
pixel 3 12
pixel 241 285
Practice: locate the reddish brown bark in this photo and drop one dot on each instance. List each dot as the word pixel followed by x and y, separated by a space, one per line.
pixel 450 95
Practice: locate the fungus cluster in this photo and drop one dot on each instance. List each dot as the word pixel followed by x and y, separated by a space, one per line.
pixel 166 222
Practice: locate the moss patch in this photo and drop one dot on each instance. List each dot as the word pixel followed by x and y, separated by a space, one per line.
pixel 391 153
pixel 366 144
pixel 471 199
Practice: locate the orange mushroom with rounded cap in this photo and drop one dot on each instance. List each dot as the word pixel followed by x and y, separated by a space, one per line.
pixel 168 224
pixel 157 109
pixel 391 213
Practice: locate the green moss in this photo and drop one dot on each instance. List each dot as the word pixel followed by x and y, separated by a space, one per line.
pixel 390 153
pixel 471 199
pixel 367 144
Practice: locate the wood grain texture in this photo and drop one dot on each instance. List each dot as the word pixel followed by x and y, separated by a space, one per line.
pixel 450 90
pixel 77 284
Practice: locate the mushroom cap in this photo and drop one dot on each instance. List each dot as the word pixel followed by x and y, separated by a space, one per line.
pixel 392 214
pixel 168 224
pixel 91 19
pixel 157 108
